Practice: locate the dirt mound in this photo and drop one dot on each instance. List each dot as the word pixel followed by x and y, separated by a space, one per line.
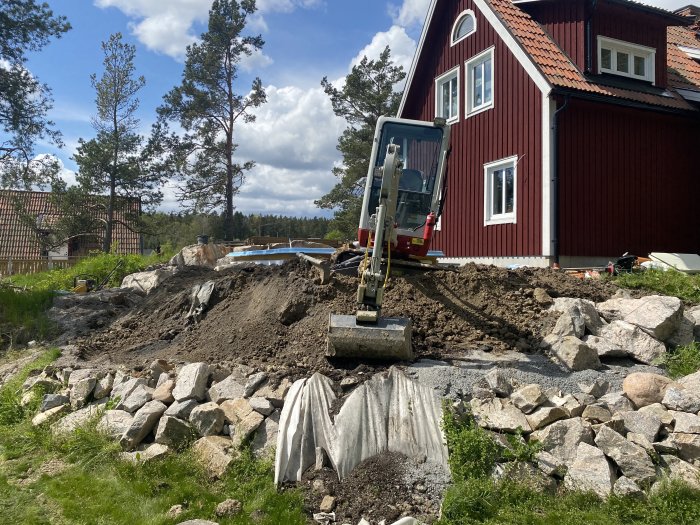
pixel 275 318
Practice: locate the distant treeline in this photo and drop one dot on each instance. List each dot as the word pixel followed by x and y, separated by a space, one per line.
pixel 181 229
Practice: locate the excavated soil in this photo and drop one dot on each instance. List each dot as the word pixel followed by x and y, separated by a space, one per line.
pixel 276 318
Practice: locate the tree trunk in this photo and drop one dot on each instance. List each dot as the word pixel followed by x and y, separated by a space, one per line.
pixel 107 243
pixel 228 214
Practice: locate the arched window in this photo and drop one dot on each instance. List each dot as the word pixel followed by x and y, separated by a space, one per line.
pixel 464 26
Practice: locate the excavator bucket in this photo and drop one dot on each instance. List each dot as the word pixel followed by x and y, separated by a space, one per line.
pixel 388 339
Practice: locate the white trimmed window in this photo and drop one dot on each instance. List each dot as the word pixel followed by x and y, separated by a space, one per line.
pixel 500 191
pixel 479 78
pixel 464 26
pixel 626 59
pixel 447 95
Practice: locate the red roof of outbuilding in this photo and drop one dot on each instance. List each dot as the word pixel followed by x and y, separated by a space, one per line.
pixel 559 69
pixel 683 71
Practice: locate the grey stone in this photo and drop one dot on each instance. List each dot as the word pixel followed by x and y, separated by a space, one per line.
pixel 181 409
pixel 667 446
pixel 265 438
pixel 253 383
pixel 570 323
pixel 143 423
pixel 590 471
pixel 528 398
pixel 327 504
pixel 114 423
pixel 616 402
pixel 587 309
pixel 122 390
pixel 575 355
pixel 544 416
pixel 493 415
pixel 688 445
pixel 660 411
pixel 584 399
pixel 634 341
pixel 681 400
pixel 686 423
pixel 79 375
pixel 261 405
pixel 682 471
pixel 542 297
pixel 229 507
pixel 625 487
pixel 77 419
pixel 215 453
pixel 604 347
pixel 642 441
pixel 685 333
pixel 146 282
pixel 632 459
pixel 526 474
pixel 49 415
pixel 173 432
pixel 103 387
pixel 191 382
pixel 198 522
pixel 242 418
pixel 658 315
pixel 80 393
pixel 498 382
pixel 229 388
pixel 561 438
pixel 275 394
pixel 643 388
pixel 550 465
pixel 207 419
pixel 145 452
pixel 691 382
pixel 570 404
pixel 50 401
pixel 164 391
pixel 598 388
pixel 596 413
pixel 138 397
pixel 640 423
pixel 694 313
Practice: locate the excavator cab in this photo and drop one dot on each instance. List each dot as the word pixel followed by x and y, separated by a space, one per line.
pixel 401 204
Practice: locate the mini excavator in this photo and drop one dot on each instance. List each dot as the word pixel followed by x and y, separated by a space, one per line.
pixel 402 203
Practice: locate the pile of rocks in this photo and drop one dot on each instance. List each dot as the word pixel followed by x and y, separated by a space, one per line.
pixel 619 327
pixel 594 440
pixel 166 408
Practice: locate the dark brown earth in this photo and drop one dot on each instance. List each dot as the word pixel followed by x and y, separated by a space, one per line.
pixel 276 318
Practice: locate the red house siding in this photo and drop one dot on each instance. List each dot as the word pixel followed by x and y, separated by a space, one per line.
pixel 627 181
pixel 565 23
pixel 647 30
pixel 512 127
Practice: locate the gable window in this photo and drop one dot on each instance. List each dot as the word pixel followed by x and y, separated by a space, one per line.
pixel 626 59
pixel 447 95
pixel 464 26
pixel 500 191
pixel 479 73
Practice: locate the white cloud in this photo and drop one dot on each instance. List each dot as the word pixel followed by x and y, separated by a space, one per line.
pixel 257 60
pixel 402 47
pixel 167 26
pixel 410 13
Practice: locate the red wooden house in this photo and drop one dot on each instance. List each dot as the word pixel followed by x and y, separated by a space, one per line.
pixel 575 128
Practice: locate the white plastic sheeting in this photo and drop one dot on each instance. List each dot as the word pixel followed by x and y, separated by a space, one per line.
pixel 387 413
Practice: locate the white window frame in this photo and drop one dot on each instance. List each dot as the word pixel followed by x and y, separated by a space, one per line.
pixel 489 168
pixel 471 110
pixel 615 46
pixel 439 81
pixel 462 16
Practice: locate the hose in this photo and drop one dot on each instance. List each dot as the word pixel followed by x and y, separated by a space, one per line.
pixel 388 261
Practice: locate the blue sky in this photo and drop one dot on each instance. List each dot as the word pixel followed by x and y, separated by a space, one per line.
pixel 293 140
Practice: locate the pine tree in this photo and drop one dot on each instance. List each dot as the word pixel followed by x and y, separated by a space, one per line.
pixel 368 93
pixel 207 105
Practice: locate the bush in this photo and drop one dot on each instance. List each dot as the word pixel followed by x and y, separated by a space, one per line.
pixel 22 316
pixel 683 361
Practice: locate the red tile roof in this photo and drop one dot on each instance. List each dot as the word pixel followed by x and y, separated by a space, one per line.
pixel 18 238
pixel 683 71
pixel 559 69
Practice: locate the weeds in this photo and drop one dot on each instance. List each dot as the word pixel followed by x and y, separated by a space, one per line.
pixel 683 361
pixel 671 282
pixel 23 316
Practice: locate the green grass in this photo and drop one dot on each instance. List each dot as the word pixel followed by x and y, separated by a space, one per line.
pixel 682 361
pixel 96 487
pixel 671 282
pixel 97 266
pixel 477 498
pixel 23 316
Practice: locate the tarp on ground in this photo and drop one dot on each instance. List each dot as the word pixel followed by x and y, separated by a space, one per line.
pixel 387 413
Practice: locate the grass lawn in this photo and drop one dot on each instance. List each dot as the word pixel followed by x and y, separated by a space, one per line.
pixel 671 282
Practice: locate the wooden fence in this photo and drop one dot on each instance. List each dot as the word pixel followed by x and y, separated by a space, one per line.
pixel 11 266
